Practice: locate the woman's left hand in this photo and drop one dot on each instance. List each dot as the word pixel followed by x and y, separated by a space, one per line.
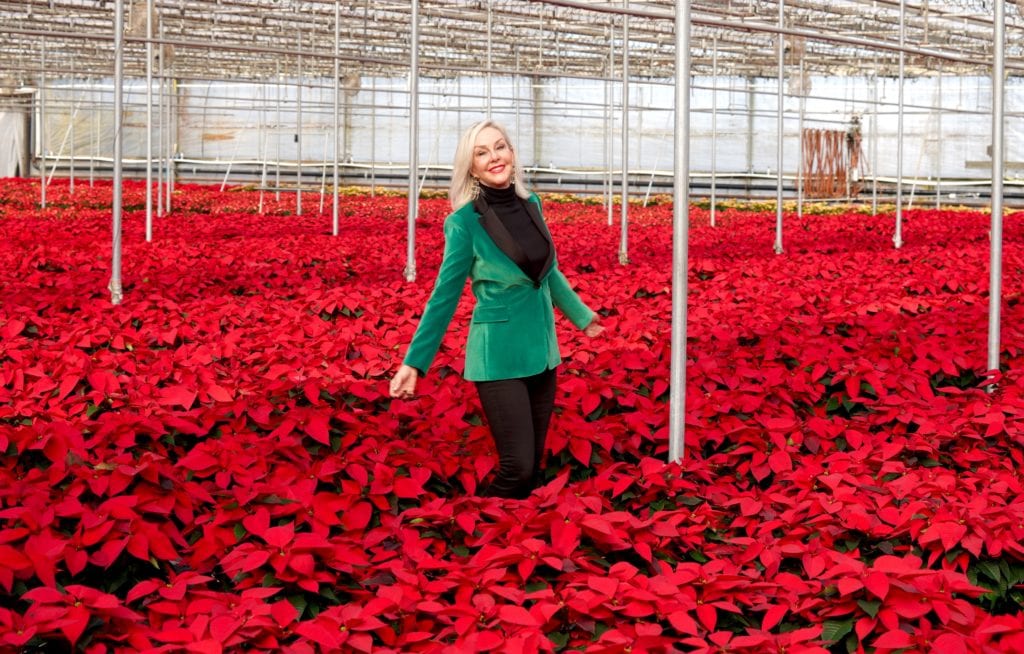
pixel 593 329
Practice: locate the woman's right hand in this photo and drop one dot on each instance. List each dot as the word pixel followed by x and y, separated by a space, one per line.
pixel 403 384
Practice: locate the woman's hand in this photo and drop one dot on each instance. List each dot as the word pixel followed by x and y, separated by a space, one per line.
pixel 403 384
pixel 593 329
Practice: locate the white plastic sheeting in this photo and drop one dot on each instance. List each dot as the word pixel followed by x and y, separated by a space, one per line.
pixel 557 123
pixel 12 143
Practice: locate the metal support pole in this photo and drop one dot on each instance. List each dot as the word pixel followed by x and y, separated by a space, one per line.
pixel 995 293
pixel 264 145
pixel 751 113
pixel 874 148
pixel 414 72
pixel 897 238
pixel 800 143
pixel 606 152
pixel 490 28
pixel 373 139
pixel 298 131
pixel 42 123
pixel 337 37
pixel 624 216
pixel 149 121
pixel 714 128
pixel 94 136
pixel 115 273
pixel 173 116
pixel 779 125
pixel 938 142
pixel 71 128
pixel 609 124
pixel 161 124
pixel 680 237
pixel 277 132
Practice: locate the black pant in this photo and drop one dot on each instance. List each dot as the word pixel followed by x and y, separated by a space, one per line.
pixel 518 412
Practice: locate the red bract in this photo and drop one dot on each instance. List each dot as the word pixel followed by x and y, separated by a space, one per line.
pixel 219 456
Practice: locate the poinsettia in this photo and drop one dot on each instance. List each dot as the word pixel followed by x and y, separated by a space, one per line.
pixel 215 461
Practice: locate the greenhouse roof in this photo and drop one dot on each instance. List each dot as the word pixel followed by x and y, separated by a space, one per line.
pixel 263 39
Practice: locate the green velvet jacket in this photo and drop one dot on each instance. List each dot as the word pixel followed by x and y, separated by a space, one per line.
pixel 512 333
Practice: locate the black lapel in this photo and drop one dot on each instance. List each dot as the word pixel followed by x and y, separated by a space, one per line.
pixel 534 212
pixel 501 236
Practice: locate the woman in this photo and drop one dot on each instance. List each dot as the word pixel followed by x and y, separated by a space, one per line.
pixel 497 237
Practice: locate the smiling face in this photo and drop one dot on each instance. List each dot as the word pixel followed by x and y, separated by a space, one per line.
pixel 493 159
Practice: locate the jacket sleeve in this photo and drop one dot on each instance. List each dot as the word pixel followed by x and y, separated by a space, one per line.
pixel 451 279
pixel 567 301
pixel 562 295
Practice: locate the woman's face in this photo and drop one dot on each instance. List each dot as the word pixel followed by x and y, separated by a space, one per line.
pixel 493 159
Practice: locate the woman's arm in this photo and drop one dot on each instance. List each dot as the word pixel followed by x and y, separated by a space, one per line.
pixel 568 301
pixel 451 279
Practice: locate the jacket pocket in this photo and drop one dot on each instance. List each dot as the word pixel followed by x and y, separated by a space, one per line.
pixel 490 314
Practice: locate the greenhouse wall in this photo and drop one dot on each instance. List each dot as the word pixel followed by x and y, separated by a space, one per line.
pixel 560 124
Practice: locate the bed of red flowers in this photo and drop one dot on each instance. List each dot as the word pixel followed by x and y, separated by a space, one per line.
pixel 214 464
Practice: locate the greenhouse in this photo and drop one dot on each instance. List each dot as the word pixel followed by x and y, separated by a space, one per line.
pixel 771 382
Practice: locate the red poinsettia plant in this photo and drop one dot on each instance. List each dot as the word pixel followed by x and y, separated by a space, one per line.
pixel 215 464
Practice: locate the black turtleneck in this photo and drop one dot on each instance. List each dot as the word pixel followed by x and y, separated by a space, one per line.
pixel 510 209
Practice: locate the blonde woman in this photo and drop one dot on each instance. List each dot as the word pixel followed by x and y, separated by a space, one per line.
pixel 496 237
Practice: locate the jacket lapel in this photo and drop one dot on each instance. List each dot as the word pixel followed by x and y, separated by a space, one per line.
pixel 534 212
pixel 501 236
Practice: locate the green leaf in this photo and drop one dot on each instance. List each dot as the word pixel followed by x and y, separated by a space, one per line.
pixel 274 499
pixel 558 639
pixel 240 532
pixel 870 607
pixel 990 569
pixel 833 631
pixel 299 602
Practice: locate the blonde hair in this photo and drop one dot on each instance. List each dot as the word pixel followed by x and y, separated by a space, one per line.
pixel 462 189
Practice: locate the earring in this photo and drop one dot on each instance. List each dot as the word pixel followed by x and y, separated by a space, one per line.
pixel 512 178
pixel 475 190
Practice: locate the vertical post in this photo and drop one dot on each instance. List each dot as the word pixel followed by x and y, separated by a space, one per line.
pixel 490 35
pixel 874 147
pixel 680 236
pixel 800 143
pixel 897 238
pixel 373 139
pixel 298 130
pixel 995 292
pixel 714 126
pixel 938 142
pixel 609 123
pixel 116 294
pixel 779 125
pixel 263 146
pixel 173 117
pixel 94 136
pixel 161 124
pixel 337 37
pixel 537 96
pixel 149 121
pixel 42 123
pixel 516 78
pixel 277 132
pixel 624 216
pixel 72 113
pixel 606 151
pixel 414 72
